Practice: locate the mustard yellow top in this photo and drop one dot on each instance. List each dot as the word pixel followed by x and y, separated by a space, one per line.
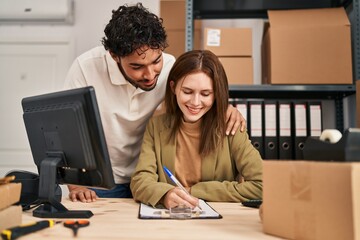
pixel 221 171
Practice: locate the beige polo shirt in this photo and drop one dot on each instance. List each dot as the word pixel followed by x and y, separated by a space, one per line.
pixel 124 109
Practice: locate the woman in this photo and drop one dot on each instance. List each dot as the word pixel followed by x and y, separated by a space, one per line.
pixel 190 140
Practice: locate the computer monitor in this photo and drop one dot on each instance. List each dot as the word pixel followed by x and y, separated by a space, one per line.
pixel 68 145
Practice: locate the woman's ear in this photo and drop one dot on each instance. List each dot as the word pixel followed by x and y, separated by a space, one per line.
pixel 172 86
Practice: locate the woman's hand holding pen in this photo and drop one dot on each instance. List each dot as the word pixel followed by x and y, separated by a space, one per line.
pixel 177 196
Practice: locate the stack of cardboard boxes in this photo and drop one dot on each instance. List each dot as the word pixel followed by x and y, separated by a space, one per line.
pixel 10 214
pixel 309 46
pixel 173 14
pixel 233 46
pixel 309 199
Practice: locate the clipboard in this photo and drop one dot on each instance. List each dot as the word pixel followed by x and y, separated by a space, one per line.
pixel 149 212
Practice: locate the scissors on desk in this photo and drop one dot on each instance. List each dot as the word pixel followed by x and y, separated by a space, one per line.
pixel 76 224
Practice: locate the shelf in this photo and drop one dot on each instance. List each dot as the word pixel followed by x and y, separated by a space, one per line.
pixel 215 9
pixel 292 91
pixel 333 92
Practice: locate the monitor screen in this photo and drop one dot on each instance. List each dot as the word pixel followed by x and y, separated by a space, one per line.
pixel 68 145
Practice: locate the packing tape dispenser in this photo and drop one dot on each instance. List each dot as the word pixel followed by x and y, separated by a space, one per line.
pixel 333 146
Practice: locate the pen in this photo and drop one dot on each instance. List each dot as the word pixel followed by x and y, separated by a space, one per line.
pixel 173 178
pixel 16 232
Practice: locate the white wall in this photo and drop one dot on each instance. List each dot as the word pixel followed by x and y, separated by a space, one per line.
pixel 91 16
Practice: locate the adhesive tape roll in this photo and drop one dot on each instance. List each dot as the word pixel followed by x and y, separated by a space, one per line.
pixel 331 135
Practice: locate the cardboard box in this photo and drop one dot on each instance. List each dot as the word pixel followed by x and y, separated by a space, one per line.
pixel 171 17
pixel 239 70
pixel 10 217
pixel 9 194
pixel 231 42
pixel 176 41
pixel 311 200
pixel 173 14
pixel 233 46
pixel 311 46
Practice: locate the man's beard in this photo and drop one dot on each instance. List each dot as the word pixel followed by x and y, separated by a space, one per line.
pixel 135 84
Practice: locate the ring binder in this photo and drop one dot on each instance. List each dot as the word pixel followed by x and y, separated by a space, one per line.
pixel 300 130
pixel 270 130
pixel 284 130
pixel 255 125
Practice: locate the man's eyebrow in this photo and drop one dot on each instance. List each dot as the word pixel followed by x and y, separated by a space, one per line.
pixel 140 65
pixel 136 64
pixel 157 59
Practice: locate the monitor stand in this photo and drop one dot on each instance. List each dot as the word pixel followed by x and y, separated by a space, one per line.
pixel 50 207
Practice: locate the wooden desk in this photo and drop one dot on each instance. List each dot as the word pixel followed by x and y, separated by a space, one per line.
pixel 118 219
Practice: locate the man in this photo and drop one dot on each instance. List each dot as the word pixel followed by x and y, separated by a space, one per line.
pixel 129 76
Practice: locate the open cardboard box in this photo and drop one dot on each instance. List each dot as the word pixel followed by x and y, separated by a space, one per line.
pixel 308 46
pixel 311 200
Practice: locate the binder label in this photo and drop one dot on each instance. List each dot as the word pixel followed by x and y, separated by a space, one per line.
pixel 315 120
pixel 284 117
pixel 270 120
pixel 242 108
pixel 256 120
pixel 300 120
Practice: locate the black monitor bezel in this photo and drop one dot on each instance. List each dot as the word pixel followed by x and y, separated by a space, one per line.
pixel 56 112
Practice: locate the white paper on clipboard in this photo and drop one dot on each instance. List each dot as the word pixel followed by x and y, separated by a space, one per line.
pixel 149 212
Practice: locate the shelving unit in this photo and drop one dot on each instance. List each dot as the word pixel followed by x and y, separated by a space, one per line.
pixel 326 92
pixel 258 9
pixel 292 91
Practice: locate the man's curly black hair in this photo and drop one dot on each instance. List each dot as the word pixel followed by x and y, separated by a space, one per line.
pixel 132 27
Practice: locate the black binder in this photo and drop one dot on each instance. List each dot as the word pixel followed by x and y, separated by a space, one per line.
pixel 300 127
pixel 314 118
pixel 270 132
pixel 242 106
pixel 255 122
pixel 284 130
